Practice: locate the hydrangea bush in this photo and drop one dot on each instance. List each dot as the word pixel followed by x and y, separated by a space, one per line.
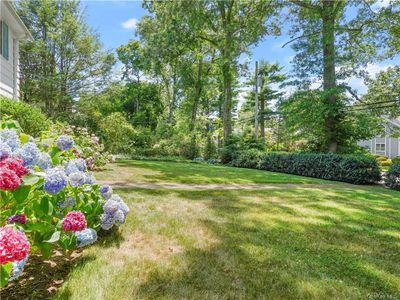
pixel 48 199
pixel 77 139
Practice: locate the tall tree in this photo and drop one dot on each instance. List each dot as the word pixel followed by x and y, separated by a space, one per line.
pixel 65 58
pixel 331 46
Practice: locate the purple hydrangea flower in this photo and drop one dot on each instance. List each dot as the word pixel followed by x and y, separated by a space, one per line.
pixel 55 181
pixel 29 153
pixel 85 237
pixel 90 179
pixel 107 221
pixel 119 217
pixel 18 219
pixel 65 142
pixel 44 161
pixel 5 150
pixel 123 207
pixel 110 207
pixel 17 268
pixel 106 191
pixel 11 138
pixel 77 178
pixel 67 203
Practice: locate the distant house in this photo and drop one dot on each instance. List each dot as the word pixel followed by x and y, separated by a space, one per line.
pixel 387 144
pixel 12 30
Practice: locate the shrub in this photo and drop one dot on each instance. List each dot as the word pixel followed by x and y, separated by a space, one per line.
pixel 357 169
pixel 386 163
pixel 396 159
pixel 31 119
pixel 248 159
pixel 118 133
pixel 86 145
pixel 392 179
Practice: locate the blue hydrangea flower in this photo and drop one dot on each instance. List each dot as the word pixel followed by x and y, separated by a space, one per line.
pixel 5 150
pixel 67 203
pixel 124 208
pixel 29 153
pixel 107 221
pixel 44 161
pixel 119 217
pixel 106 191
pixel 18 268
pixel 55 180
pixel 110 207
pixel 90 179
pixel 77 178
pixel 116 198
pixel 65 142
pixel 10 137
pixel 85 237
pixel 75 165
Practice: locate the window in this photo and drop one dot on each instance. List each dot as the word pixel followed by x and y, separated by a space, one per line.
pixel 4 47
pixel 380 147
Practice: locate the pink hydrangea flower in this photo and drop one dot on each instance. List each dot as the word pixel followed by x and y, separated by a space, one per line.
pixel 74 221
pixel 8 180
pixel 14 245
pixel 14 164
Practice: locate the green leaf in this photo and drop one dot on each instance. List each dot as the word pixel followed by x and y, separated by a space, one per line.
pixel 21 193
pixel 54 237
pixel 24 138
pixel 30 179
pixel 5 271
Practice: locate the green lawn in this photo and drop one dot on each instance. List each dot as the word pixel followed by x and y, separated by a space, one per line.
pixel 286 243
pixel 156 171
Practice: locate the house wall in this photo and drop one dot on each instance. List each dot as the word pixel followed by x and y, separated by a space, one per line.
pixel 392 145
pixel 7 69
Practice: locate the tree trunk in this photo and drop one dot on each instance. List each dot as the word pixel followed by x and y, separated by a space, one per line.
pixel 329 74
pixel 197 94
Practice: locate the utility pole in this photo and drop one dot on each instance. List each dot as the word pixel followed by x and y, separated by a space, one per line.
pixel 256 105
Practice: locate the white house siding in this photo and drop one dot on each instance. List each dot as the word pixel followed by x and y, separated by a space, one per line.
pixel 392 145
pixel 7 69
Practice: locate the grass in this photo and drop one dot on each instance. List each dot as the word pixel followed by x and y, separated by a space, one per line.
pixel 290 243
pixel 157 171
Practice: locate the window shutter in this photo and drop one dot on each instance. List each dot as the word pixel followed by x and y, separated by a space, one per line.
pixel 5 40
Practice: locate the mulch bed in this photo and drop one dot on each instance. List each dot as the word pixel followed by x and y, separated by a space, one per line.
pixel 42 277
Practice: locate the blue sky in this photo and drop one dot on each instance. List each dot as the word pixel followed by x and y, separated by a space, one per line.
pixel 115 22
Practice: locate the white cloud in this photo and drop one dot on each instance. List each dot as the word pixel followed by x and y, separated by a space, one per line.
pixel 130 23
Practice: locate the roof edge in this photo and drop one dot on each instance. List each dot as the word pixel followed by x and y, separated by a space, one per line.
pixel 28 34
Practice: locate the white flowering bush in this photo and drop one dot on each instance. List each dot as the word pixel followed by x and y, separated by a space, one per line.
pixel 48 198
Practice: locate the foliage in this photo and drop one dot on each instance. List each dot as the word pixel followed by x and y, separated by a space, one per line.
pixel 31 119
pixel 88 146
pixel 304 117
pixel 396 159
pixel 117 133
pixel 248 159
pixel 47 193
pixel 64 59
pixel 357 169
pixel 392 179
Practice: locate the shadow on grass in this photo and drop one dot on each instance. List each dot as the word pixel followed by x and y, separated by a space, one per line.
pixel 309 244
pixel 110 238
pixel 43 277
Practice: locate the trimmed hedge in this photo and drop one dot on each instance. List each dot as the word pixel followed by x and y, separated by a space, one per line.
pixel 392 179
pixel 31 119
pixel 358 169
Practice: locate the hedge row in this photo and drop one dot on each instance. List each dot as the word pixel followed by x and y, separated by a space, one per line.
pixel 358 169
pixel 31 119
pixel 392 179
